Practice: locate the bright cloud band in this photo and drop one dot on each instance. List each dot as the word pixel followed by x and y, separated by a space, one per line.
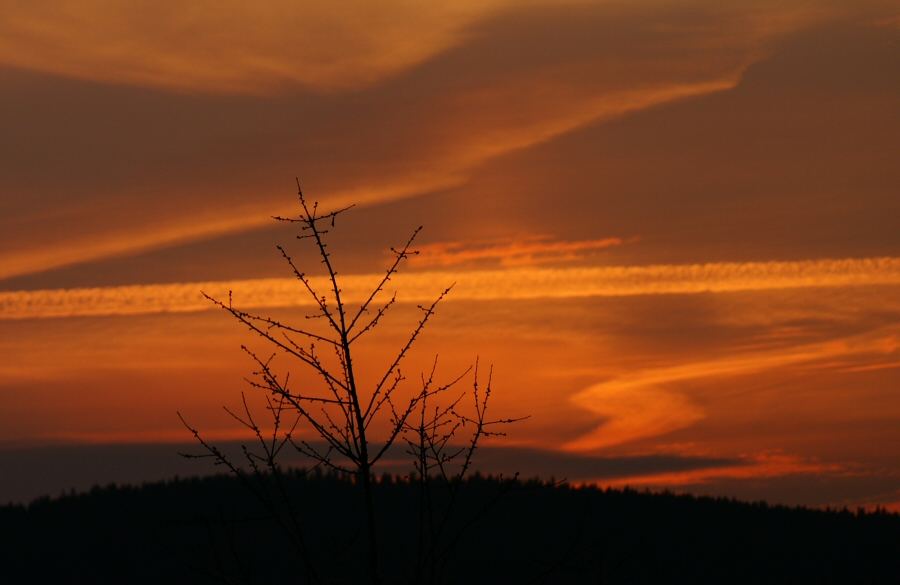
pixel 508 284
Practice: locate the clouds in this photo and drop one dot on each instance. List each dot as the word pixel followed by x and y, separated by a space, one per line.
pixel 136 222
pixel 522 251
pixel 104 160
pixel 717 393
pixel 645 403
pixel 484 285
pixel 231 47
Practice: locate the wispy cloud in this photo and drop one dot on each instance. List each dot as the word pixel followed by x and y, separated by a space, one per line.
pixel 643 404
pixel 421 116
pixel 548 117
pixel 199 225
pixel 631 410
pixel 520 252
pixel 484 285
pixel 759 466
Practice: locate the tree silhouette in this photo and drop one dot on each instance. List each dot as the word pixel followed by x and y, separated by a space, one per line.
pixel 440 425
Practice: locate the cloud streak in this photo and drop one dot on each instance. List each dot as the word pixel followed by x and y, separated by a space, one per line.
pixel 759 466
pixel 522 252
pixel 447 170
pixel 200 225
pixel 638 405
pixel 483 285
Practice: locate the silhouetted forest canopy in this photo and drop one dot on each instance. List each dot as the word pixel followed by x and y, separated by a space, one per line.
pixel 211 530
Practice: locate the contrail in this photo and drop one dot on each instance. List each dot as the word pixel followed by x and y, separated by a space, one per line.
pixel 487 285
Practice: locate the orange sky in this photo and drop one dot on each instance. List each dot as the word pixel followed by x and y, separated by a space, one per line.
pixel 673 226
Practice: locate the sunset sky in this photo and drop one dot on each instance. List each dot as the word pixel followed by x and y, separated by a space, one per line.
pixel 674 226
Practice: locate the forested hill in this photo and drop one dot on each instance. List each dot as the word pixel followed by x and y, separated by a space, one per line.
pixel 212 530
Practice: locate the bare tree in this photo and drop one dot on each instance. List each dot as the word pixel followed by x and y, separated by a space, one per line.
pixel 441 427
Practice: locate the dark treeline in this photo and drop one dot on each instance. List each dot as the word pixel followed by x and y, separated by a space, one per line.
pixel 210 530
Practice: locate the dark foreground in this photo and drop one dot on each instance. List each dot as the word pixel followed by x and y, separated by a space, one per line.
pixel 212 531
